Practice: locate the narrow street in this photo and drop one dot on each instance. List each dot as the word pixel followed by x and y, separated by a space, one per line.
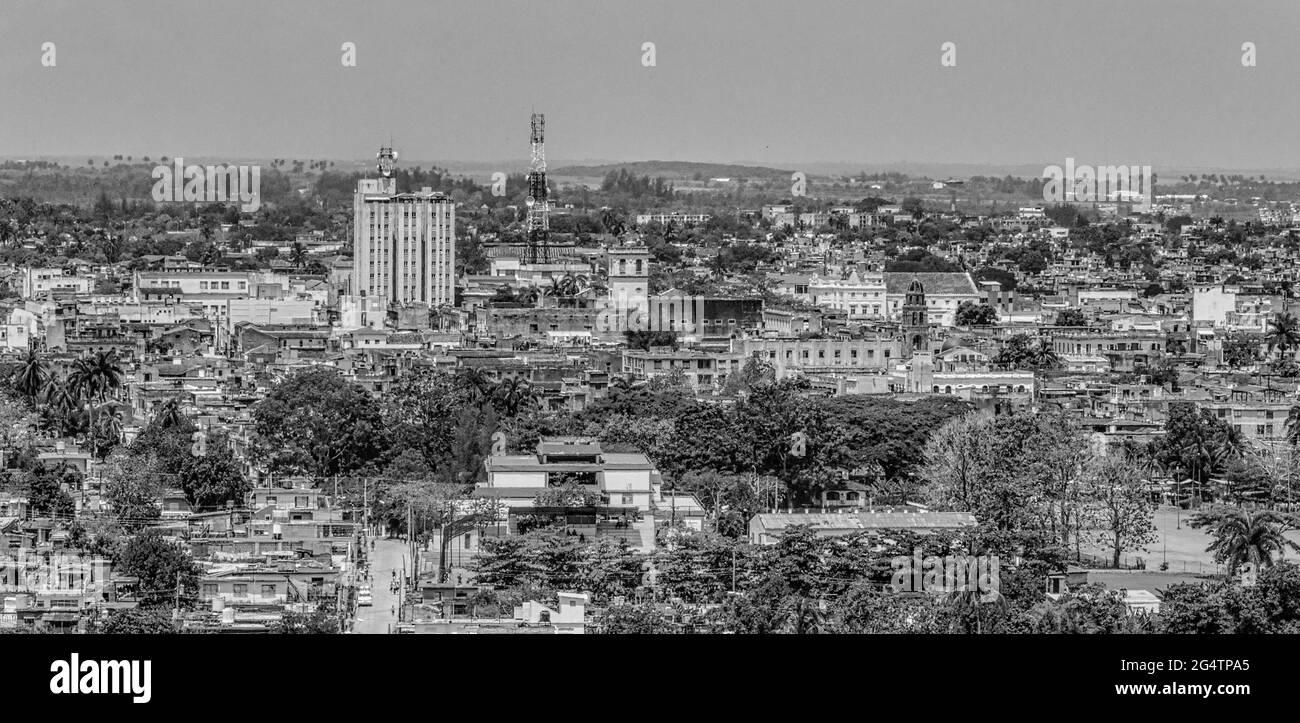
pixel 386 558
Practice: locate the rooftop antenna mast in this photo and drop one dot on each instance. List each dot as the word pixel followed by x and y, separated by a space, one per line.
pixel 538 225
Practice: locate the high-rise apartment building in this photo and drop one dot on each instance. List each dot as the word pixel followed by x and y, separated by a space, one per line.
pixel 404 244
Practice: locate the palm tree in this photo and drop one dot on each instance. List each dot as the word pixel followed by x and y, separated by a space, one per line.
pixel 515 393
pixel 1043 356
pixel 1292 426
pixel 93 378
pixel 619 385
pixel 110 424
pixel 62 403
pixel 566 286
pixel 1242 536
pixel 170 414
pixel 298 254
pixel 613 222
pixel 478 380
pixel 527 295
pixel 1283 333
pixel 33 375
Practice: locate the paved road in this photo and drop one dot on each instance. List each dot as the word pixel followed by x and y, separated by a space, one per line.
pixel 386 557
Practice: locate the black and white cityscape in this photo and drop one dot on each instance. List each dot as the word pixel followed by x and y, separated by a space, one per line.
pixel 680 318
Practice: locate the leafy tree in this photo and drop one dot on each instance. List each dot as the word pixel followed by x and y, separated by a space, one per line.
pixel 1071 317
pixel 568 495
pixel 320 621
pixel 731 499
pixel 1196 442
pixel 166 447
pixel 971 314
pixel 1091 610
pixel 702 567
pixel 215 478
pixel 1241 351
pixel 46 495
pixel 1163 373
pixel 133 488
pixel 424 412
pixel 137 621
pixel 864 608
pixel 318 423
pixel 634 619
pixel 1121 509
pixel 160 565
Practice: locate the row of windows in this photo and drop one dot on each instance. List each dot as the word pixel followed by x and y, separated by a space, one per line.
pixel 1119 346
pixel 622 267
pixel 1000 388
pixel 821 354
pixel 241 589
pixel 1223 413
pixel 225 286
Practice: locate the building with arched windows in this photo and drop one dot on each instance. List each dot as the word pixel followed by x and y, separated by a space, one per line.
pixel 629 277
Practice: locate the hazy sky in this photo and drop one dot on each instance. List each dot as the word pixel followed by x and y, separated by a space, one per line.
pixel 1158 82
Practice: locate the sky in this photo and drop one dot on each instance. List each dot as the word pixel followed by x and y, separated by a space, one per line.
pixel 1159 82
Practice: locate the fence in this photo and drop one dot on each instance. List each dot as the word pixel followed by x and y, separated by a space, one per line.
pixel 1135 562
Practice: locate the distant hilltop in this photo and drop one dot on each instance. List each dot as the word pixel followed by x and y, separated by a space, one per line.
pixel 670 170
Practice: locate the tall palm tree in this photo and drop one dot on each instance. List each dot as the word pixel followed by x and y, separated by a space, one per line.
pixel 620 384
pixel 170 413
pixel 63 405
pixel 1292 425
pixel 1242 536
pixel 298 255
pixel 1043 356
pixel 514 394
pixel 33 375
pixel 567 285
pixel 1283 333
pixel 613 222
pixel 478 381
pixel 94 377
pixel 110 425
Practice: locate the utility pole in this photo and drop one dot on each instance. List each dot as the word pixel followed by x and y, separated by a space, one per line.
pixel 410 540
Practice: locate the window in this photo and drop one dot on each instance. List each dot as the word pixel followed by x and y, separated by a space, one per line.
pixel 268 590
pixel 627 498
pixel 225 284
pixel 209 589
pixel 469 538
pixel 241 589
